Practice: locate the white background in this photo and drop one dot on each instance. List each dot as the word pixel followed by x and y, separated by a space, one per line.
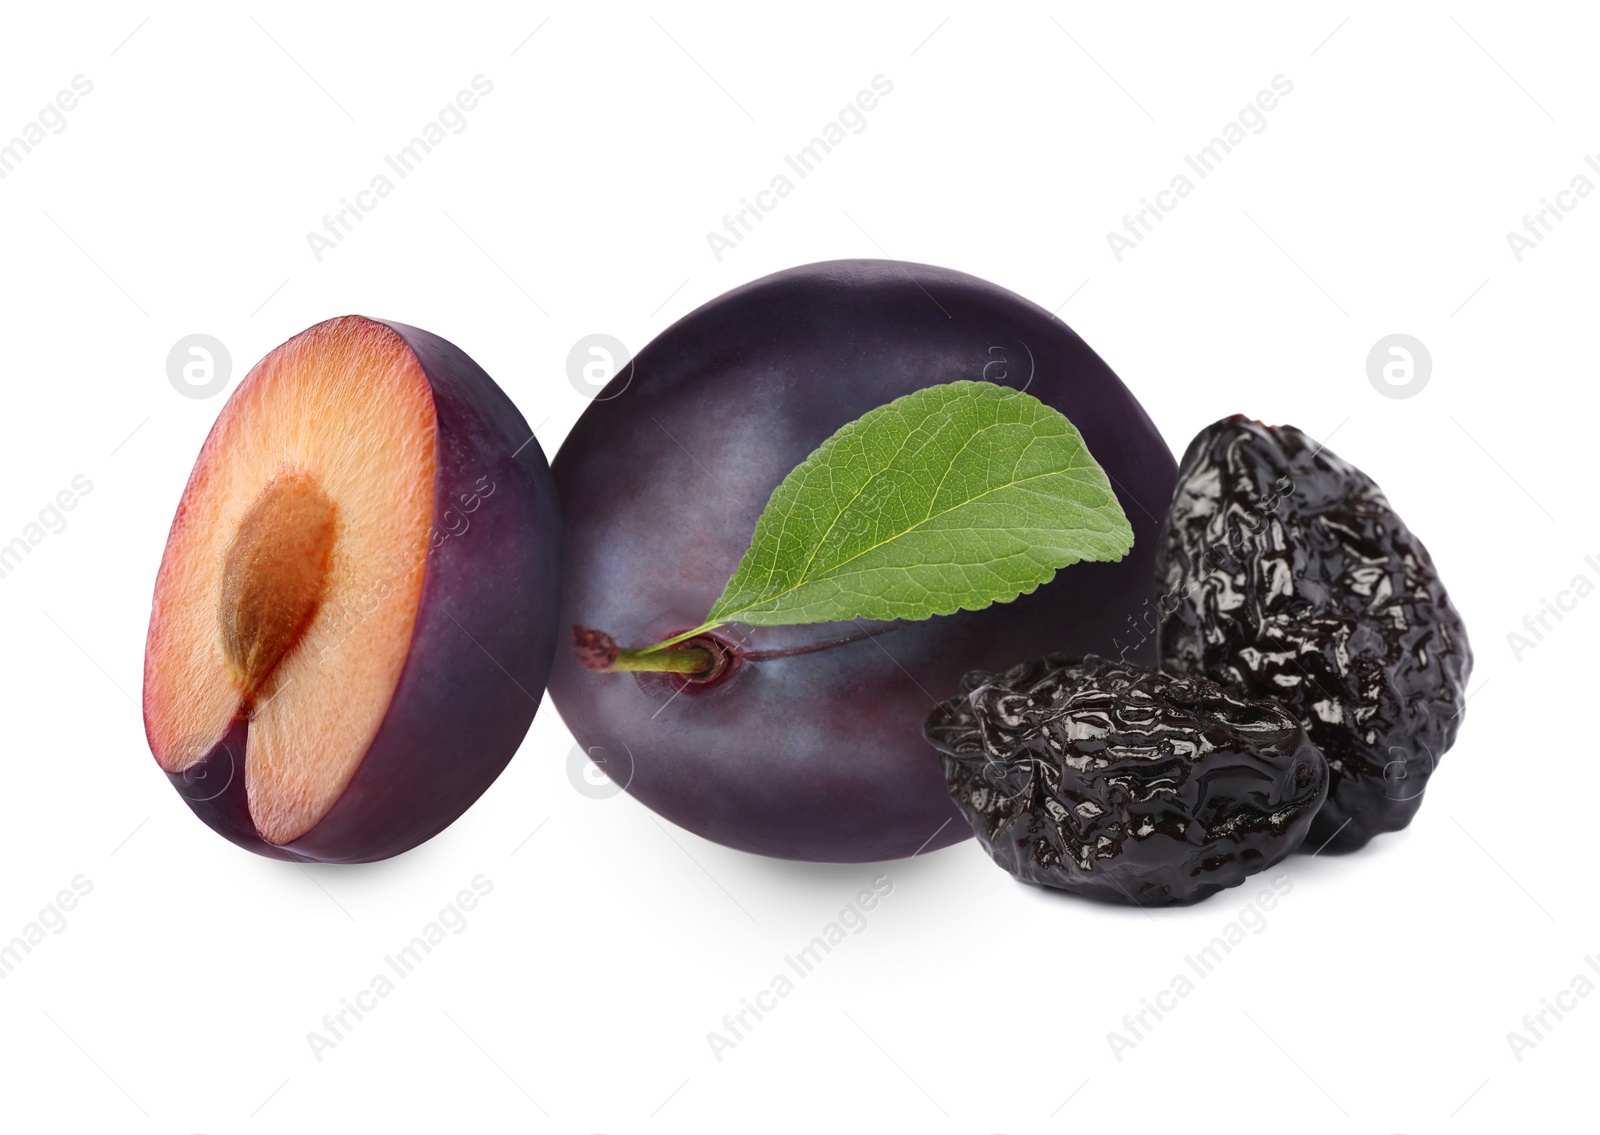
pixel 1380 993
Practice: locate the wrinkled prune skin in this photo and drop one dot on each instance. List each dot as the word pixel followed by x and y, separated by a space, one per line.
pixel 1125 784
pixel 1284 573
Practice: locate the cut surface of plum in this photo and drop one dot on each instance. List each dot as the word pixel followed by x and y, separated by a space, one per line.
pixel 361 497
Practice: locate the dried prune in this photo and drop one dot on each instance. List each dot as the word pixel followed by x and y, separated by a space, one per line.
pixel 1123 783
pixel 1285 573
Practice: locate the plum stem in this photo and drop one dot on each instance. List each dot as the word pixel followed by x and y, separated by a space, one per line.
pixel 599 652
pixel 687 660
pixel 684 660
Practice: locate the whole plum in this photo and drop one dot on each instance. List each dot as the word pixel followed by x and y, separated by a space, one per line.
pixel 815 754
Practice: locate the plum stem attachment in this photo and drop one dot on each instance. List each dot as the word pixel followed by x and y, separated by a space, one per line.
pixel 690 661
pixel 599 652
pixel 702 660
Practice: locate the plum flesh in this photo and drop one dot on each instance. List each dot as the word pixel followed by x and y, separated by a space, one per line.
pixel 816 756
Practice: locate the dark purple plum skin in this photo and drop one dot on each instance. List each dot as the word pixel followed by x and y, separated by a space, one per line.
pixel 480 651
pixel 817 756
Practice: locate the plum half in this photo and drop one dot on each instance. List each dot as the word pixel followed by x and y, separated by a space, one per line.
pixel 354 617
pixel 786 750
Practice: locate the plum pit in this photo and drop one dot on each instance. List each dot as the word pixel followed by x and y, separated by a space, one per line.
pixel 274 575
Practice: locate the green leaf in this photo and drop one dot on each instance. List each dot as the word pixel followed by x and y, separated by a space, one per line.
pixel 951 498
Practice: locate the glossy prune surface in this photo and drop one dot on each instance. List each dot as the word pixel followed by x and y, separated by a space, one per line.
pixel 1285 573
pixel 1125 784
